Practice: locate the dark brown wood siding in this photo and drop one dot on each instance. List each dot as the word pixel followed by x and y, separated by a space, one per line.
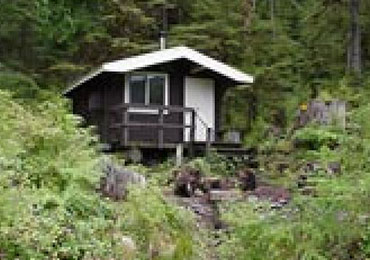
pixel 176 92
pixel 108 89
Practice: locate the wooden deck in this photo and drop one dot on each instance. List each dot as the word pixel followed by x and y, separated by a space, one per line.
pixel 159 122
pixel 123 127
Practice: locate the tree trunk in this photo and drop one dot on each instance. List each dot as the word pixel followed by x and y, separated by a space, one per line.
pixel 247 13
pixel 354 47
pixel 272 17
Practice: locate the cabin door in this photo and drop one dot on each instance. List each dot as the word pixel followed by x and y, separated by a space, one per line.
pixel 200 95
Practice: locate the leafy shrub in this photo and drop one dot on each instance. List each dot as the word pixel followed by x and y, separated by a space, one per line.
pixel 45 147
pixel 257 134
pixel 161 173
pixel 40 224
pixel 49 170
pixel 215 164
pixel 158 226
pixel 332 224
pixel 21 86
pixel 322 228
pixel 49 208
pixel 314 137
pixel 200 164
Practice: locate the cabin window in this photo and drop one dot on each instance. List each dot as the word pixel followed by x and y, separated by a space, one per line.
pixel 156 90
pixel 137 89
pixel 148 89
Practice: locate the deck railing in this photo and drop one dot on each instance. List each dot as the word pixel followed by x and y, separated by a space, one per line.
pixel 124 124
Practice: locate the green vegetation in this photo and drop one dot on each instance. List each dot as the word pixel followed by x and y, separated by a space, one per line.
pixel 330 223
pixel 216 165
pixel 297 50
pixel 49 208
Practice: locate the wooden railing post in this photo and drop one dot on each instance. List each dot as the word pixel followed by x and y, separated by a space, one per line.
pixel 124 125
pixel 161 128
pixel 192 133
pixel 208 140
pixel 192 129
pixel 125 122
pixel 179 154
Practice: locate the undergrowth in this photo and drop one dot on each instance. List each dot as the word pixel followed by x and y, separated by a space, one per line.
pixel 333 221
pixel 49 207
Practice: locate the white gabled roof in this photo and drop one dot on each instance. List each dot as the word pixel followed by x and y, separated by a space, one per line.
pixel 167 55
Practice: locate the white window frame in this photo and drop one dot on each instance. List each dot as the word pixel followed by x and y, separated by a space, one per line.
pixel 147 91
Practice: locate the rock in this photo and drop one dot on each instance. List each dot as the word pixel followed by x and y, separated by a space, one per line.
pixel 187 180
pixel 334 168
pixel 134 155
pixel 252 199
pixel 202 210
pixel 282 166
pixel 117 179
pixel 247 180
pixel 364 219
pixel 311 167
pixel 280 203
pixel 274 131
pixel 224 195
pixel 128 243
pixel 129 247
pixel 198 193
pixel 342 215
pixel 274 194
pixel 276 205
pixel 302 181
pixel 210 183
pixel 308 191
pixel 229 183
pixel 283 201
pixel 161 247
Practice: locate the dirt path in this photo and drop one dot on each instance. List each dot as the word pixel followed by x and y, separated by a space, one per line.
pixel 207 220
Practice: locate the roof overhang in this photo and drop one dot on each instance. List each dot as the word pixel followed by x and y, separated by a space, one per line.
pixel 164 56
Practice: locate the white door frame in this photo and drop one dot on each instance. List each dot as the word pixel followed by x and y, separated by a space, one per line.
pixel 206 110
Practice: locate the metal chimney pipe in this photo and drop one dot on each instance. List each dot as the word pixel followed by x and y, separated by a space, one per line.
pixel 163 40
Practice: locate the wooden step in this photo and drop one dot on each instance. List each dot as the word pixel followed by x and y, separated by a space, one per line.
pixel 226 149
pixel 219 145
pixel 225 145
pixel 234 151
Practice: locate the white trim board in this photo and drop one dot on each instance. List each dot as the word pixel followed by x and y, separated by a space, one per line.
pixel 143 110
pixel 167 55
pixel 199 94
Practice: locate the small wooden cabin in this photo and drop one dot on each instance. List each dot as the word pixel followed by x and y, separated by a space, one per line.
pixel 157 100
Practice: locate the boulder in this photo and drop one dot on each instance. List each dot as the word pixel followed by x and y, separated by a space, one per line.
pixel 116 180
pixel 187 180
pixel 247 179
pixel 334 168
